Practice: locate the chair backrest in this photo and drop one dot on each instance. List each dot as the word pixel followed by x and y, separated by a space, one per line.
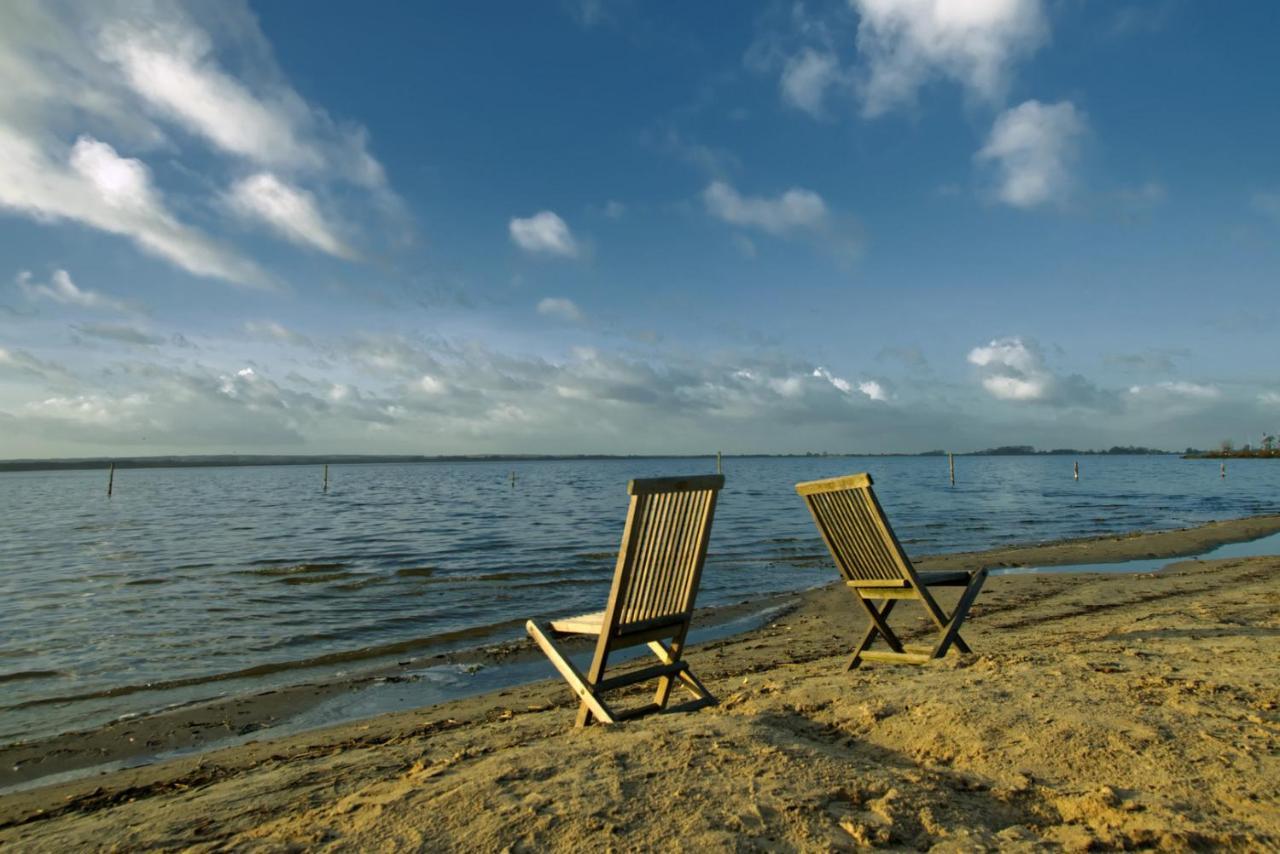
pixel 853 525
pixel 664 545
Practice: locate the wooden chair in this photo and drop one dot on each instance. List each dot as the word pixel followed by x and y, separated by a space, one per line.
pixel 875 567
pixel 664 544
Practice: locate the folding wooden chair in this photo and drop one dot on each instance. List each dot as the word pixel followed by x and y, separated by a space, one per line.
pixel 664 544
pixel 875 567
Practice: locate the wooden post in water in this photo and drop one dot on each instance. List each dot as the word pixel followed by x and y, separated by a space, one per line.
pixel 111 479
pixel 719 467
pixel 951 464
pixel 326 477
pixel 1224 471
pixel 1077 470
pixel 513 479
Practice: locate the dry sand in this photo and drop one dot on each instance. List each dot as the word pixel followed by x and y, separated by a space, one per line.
pixel 1113 711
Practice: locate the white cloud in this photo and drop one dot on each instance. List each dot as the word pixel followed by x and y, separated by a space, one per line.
pixel 1006 352
pixel 1175 388
pixel 544 233
pixel 1269 398
pixel 289 211
pixel 873 390
pixel 841 384
pixel 905 43
pixel 62 289
pixel 1016 370
pixel 1033 147
pixel 170 65
pixel 431 385
pixel 795 209
pixel 564 309
pixel 97 187
pixel 1007 387
pixel 807 76
pixel 119 75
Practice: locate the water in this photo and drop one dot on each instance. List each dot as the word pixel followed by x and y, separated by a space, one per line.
pixel 190 583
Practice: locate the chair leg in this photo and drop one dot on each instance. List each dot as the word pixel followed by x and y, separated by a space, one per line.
pixel 951 632
pixel 879 626
pixel 591 704
pixel 669 655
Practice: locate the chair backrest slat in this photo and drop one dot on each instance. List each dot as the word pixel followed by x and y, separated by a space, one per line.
pixel 658 570
pixel 854 527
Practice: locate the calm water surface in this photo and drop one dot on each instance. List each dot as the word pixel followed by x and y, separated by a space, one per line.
pixel 189 583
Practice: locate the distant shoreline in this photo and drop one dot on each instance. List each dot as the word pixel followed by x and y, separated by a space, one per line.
pixel 1234 455
pixel 234 460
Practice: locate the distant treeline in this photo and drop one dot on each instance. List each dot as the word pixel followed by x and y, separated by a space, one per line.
pixel 297 460
pixel 1256 453
pixel 196 461
pixel 1028 450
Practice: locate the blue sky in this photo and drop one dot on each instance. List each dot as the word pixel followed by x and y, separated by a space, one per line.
pixel 621 227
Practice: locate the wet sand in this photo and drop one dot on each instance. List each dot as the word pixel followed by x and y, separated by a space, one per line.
pixel 1098 710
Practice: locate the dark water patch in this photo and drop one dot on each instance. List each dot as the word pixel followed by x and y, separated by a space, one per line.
pixel 24 675
pixel 416 571
pixel 596 555
pixel 367 581
pixel 313 578
pixel 142 582
pixel 273 569
pixel 362 654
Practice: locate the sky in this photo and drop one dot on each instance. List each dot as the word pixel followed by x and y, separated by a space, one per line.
pixel 601 226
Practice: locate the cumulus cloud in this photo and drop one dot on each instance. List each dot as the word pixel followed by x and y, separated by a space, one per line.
pixel 807 76
pixel 544 233
pixel 906 43
pixel 1032 148
pixel 289 211
pixel 93 185
pixel 1269 398
pixel 559 307
pixel 61 289
pixel 871 388
pixel 794 209
pixel 1014 369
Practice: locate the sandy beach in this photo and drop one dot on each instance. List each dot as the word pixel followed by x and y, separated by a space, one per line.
pixel 1104 710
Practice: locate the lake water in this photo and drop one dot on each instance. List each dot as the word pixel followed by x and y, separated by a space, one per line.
pixel 189 583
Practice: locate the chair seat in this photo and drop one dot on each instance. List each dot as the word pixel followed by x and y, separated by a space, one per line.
pixel 954 577
pixel 583 624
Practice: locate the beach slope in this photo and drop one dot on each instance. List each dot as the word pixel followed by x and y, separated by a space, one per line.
pixel 1117 711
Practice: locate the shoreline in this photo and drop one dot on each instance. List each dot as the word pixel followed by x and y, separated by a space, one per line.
pixel 1116 711
pixel 200 726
